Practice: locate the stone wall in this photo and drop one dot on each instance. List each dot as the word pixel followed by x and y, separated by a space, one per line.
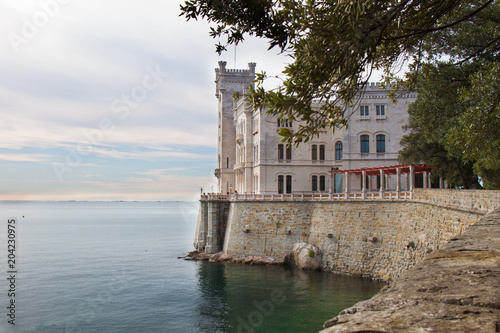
pixel 211 225
pixel 471 200
pixel 451 290
pixel 378 239
pixel 375 239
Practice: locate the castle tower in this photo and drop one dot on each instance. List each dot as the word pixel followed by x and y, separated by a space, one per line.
pixel 228 81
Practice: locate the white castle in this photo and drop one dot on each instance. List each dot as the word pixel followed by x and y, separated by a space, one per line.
pixel 251 159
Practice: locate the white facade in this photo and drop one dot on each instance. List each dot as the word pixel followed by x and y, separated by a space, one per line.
pixel 252 160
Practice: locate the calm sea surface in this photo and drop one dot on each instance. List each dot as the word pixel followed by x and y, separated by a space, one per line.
pixel 113 267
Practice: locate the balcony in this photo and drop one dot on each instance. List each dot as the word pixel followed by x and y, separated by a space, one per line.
pixel 239 138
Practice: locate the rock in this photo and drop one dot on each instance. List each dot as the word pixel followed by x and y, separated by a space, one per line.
pixel 222 257
pixel 202 256
pixel 305 256
pixel 454 289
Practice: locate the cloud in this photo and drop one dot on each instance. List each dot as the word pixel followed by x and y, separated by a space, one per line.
pixel 145 155
pixel 16 157
pixel 63 81
pixel 165 188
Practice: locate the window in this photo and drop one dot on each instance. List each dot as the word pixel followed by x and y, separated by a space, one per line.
pixel 284 123
pixel 381 143
pixel 228 162
pixel 365 143
pixel 322 183
pixel 289 152
pixel 280 184
pixel 314 152
pixel 280 151
pixel 338 181
pixel 288 184
pixel 314 183
pixel 380 110
pixel 364 110
pixel 338 150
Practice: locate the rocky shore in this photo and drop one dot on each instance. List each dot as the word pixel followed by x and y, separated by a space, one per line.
pixel 455 289
pixel 303 256
pixel 222 257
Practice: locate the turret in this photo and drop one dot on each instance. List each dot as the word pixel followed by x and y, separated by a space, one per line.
pixel 228 81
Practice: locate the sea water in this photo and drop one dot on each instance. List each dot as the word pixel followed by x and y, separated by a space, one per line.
pixel 114 267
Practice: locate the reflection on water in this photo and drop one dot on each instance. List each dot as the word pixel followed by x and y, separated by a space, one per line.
pixel 242 298
pixel 213 308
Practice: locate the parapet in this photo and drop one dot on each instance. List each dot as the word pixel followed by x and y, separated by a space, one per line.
pixel 223 70
pixel 233 79
pixel 374 86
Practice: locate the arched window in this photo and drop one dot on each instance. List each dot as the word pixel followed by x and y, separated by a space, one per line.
pixel 280 184
pixel 365 143
pixel 314 152
pixel 322 183
pixel 338 150
pixel 314 182
pixel 288 184
pixel 380 143
pixel 280 151
pixel 322 152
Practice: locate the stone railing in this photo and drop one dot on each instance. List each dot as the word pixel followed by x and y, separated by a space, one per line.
pixel 305 196
pixel 479 201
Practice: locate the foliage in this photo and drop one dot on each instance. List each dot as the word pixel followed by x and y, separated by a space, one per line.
pixel 277 222
pixel 455 122
pixel 236 96
pixel 451 47
pixel 311 253
pixel 334 45
pixel 476 136
pixel 434 113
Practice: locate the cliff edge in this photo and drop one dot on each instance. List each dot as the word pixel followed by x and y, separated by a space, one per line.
pixel 455 289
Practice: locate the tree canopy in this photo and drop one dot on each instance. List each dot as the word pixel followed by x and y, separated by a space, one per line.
pixel 455 122
pixel 451 49
pixel 335 44
pixel 432 116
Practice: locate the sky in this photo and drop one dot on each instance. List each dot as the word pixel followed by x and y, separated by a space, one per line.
pixel 110 100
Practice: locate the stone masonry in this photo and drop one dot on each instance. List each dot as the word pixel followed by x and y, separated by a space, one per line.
pixel 455 289
pixel 378 239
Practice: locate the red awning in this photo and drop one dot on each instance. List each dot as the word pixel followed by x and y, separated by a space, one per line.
pixel 388 170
